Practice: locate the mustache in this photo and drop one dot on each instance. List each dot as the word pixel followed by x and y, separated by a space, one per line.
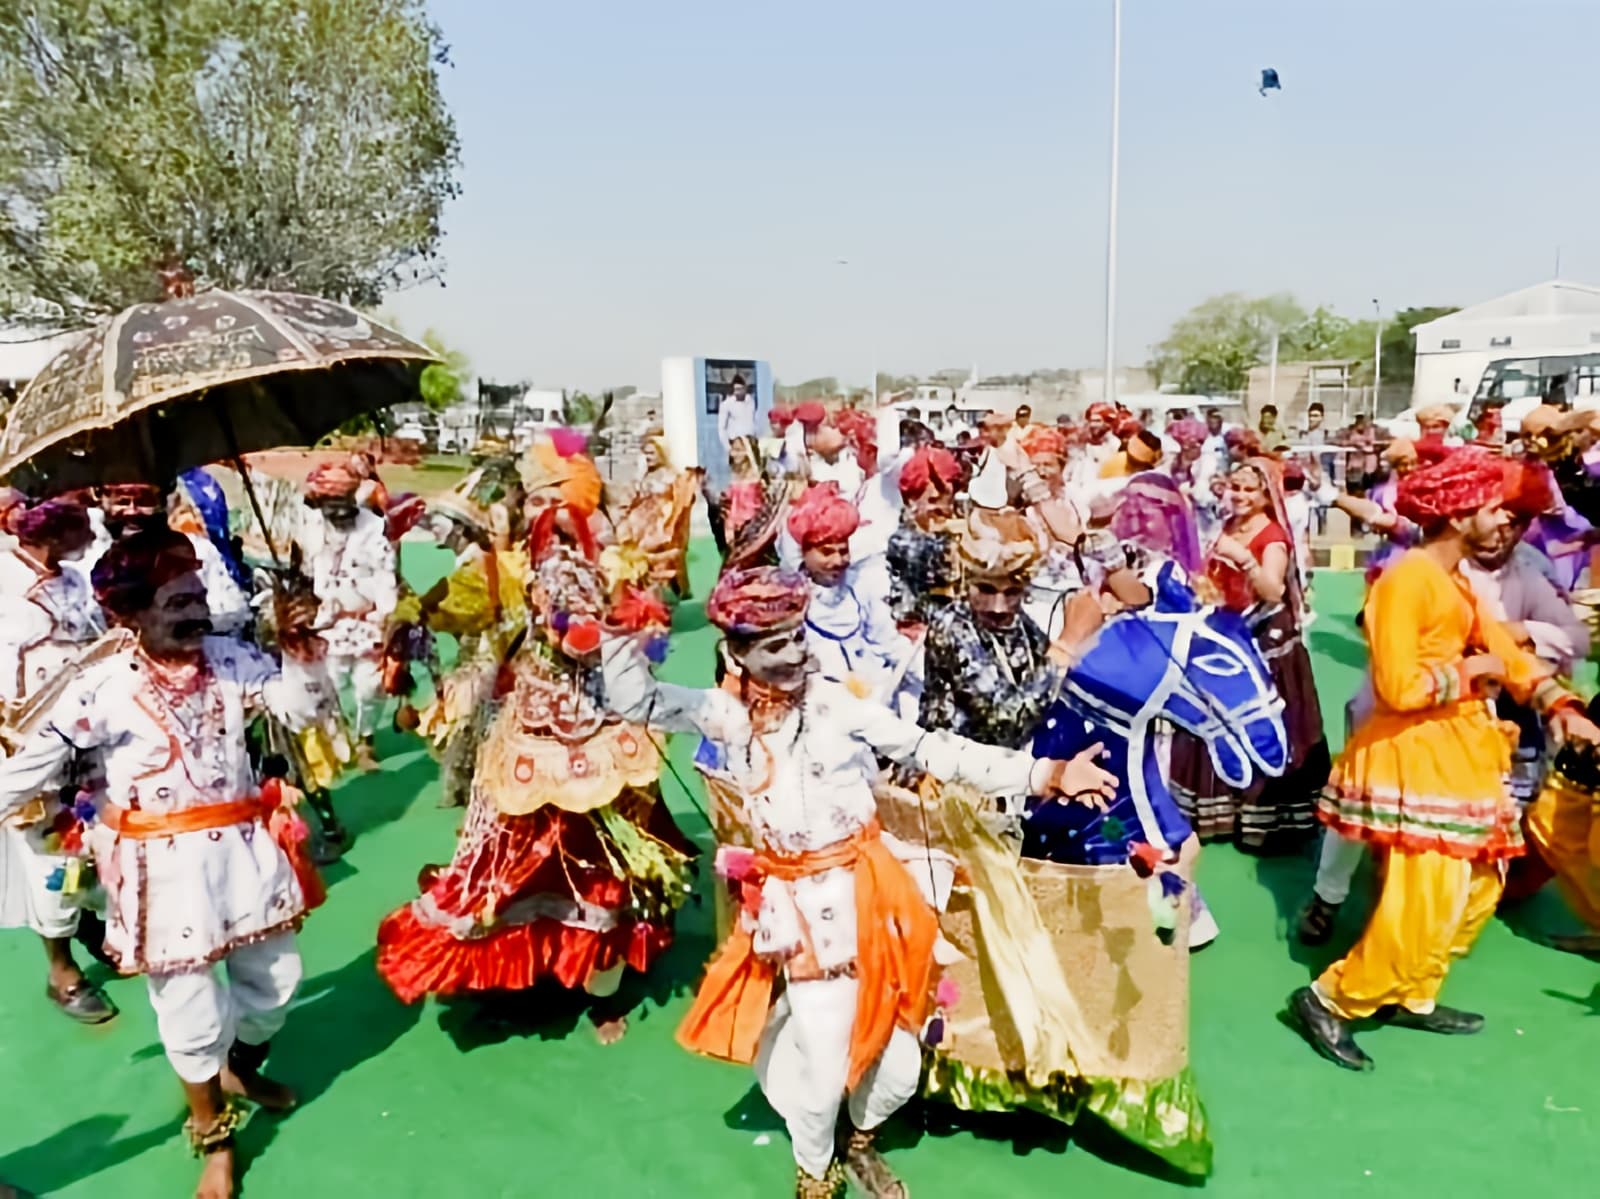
pixel 198 627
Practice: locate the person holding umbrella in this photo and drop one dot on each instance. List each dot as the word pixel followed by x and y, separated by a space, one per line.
pixel 193 877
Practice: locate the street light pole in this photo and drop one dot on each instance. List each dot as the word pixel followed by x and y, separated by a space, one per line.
pixel 1377 358
pixel 1111 216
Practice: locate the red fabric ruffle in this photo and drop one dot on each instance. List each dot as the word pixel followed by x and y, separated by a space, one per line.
pixel 418 959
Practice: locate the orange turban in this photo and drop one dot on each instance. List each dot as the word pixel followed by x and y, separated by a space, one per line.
pixel 573 477
pixel 1529 489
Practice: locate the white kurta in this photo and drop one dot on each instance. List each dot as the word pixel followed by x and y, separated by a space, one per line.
pixel 807 785
pixel 851 632
pixel 181 902
pixel 45 621
pixel 353 575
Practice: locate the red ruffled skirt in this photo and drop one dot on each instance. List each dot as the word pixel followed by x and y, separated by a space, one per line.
pixel 528 898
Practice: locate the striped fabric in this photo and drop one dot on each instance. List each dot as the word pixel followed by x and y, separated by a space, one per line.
pixel 1471 829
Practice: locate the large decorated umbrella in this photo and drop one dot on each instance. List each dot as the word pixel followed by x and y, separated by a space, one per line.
pixel 164 387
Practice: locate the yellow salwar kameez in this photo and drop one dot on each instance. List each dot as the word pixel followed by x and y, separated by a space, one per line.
pixel 1424 779
pixel 1564 826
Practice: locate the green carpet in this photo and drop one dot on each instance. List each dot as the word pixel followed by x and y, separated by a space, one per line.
pixel 464 1099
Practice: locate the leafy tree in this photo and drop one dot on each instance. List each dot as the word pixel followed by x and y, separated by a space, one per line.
pixel 443 382
pixel 1213 346
pixel 297 144
pixel 1322 335
pixel 1400 347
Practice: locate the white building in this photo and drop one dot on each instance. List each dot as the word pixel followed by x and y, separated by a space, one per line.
pixel 1552 318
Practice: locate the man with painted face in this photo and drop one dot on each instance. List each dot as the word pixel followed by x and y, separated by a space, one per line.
pixel 849 627
pixel 47 619
pixel 1422 779
pixel 831 904
pixel 991 671
pixel 193 877
pixel 352 566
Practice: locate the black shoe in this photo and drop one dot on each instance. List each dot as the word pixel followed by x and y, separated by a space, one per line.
pixel 1316 921
pixel 1328 1034
pixel 91 934
pixel 83 1002
pixel 1447 1021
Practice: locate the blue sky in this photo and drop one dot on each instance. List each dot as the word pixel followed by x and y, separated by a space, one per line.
pixel 647 179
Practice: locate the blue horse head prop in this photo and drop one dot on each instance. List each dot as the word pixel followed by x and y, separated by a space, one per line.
pixel 1195 667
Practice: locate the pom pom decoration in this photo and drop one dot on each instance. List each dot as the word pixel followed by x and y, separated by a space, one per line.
pixel 568 441
pixel 582 638
pixel 655 649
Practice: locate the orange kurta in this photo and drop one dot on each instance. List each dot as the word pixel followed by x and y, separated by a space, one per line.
pixel 1426 772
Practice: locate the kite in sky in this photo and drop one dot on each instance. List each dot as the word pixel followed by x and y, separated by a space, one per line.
pixel 1269 81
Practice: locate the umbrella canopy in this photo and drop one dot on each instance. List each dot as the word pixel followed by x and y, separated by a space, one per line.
pixel 165 387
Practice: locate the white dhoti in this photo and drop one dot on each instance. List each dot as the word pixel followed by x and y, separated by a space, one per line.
pixel 804 1061
pixel 26 900
pixel 200 1016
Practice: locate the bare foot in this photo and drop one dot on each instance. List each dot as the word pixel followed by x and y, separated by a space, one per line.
pixel 366 758
pixel 216 1177
pixel 259 1089
pixel 611 1031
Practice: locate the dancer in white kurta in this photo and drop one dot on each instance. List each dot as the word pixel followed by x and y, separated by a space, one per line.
pixel 844 910
pixel 193 879
pixel 47 618
pixel 850 627
pixel 352 566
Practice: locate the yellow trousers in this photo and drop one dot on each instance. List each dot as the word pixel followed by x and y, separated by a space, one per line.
pixel 1564 826
pixel 1430 911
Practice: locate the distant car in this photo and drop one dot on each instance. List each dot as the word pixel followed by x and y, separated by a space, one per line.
pixel 412 431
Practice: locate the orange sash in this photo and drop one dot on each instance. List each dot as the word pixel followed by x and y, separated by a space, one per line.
pixel 895 934
pixel 146 826
pixel 283 825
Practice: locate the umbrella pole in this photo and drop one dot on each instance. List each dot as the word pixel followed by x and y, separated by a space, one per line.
pixel 249 488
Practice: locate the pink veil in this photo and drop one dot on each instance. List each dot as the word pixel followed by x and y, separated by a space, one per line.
pixel 1152 512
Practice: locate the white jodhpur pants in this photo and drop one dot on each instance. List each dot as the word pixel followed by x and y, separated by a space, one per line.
pixel 804 1061
pixel 1337 864
pixel 363 674
pixel 26 900
pixel 199 1015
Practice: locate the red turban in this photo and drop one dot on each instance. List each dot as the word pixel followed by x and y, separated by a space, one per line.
pixel 1431 449
pixel 861 431
pixel 133 569
pixel 1465 481
pixel 332 481
pixel 763 599
pixel 1042 441
pixel 1236 437
pixel 1127 426
pixel 822 516
pixel 780 418
pixel 1530 489
pixel 1100 411
pixel 930 466
pixel 811 414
